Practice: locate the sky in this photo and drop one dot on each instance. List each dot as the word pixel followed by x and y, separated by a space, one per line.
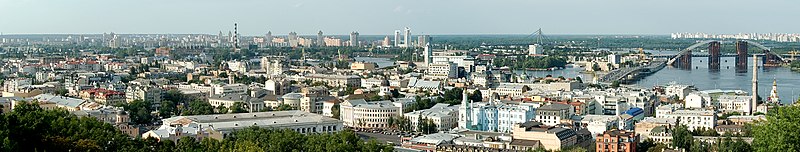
pixel 382 17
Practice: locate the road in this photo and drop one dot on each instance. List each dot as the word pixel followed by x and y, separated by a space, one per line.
pixel 380 137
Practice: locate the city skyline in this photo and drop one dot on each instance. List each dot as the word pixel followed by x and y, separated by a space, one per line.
pixel 577 17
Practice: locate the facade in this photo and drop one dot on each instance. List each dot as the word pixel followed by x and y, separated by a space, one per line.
pixel 219 126
pixel 553 114
pixel 362 114
pixel 734 103
pixel 443 115
pixel 616 141
pixel 336 80
pixel 492 117
pixel 693 119
pixel 442 70
pixel 103 96
pixel 251 104
pixel 363 66
pixel 224 89
pixel 551 138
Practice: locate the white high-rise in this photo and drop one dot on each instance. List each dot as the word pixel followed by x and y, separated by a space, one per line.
pixel 407 37
pixel 397 38
pixel 354 39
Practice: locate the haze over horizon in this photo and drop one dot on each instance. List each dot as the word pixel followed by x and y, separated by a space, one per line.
pixel 444 17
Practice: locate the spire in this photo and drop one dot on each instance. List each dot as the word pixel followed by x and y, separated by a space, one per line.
pixel 464 98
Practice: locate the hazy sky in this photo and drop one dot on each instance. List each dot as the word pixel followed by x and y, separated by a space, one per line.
pixel 256 17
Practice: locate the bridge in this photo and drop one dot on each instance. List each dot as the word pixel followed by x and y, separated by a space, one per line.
pixel 684 57
pixel 625 75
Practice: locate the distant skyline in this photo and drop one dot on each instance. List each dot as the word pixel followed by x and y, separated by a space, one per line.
pixel 370 17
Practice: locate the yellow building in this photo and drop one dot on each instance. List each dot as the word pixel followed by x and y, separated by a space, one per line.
pixel 549 137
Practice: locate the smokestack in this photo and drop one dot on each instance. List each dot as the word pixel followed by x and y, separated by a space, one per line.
pixel 755 85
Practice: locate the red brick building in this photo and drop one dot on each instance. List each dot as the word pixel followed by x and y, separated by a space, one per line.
pixel 616 141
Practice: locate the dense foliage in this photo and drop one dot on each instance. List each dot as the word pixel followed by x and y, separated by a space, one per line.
pixel 30 128
pixel 524 62
pixel 779 131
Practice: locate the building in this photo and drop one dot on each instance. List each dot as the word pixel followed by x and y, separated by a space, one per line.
pixel 422 40
pixel 249 103
pixel 219 126
pixel 550 138
pixel 336 80
pixel 442 70
pixel 148 93
pixel 534 49
pixel 554 113
pixel 693 119
pixel 397 38
pixel 50 102
pixel 114 116
pixel 363 66
pixel 492 116
pixel 616 141
pixel 407 37
pixel 103 96
pixel 646 125
pixel 354 39
pixel 236 88
pixel 362 114
pixel 734 103
pixel 443 115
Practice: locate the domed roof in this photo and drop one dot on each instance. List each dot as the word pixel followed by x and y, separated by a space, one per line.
pixel 292 96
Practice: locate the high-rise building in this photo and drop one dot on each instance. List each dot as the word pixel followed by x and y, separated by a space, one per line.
pixel 396 38
pixel 423 39
pixel 534 49
pixel 268 38
pixel 428 54
pixel 320 39
pixel 235 36
pixel 407 37
pixel 354 39
pixel 293 41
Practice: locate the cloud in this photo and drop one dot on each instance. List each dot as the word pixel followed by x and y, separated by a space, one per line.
pixel 298 5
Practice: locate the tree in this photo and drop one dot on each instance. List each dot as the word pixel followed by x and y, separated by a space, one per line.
pixel 238 107
pixel 615 84
pixel 62 92
pixel 476 96
pixel 779 131
pixel 645 145
pixel 681 137
pixel 222 109
pixel 167 108
pixel 140 111
pixel 198 107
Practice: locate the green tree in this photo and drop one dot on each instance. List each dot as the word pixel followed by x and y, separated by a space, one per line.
pixel 681 137
pixel 140 111
pixel 238 107
pixel 476 96
pixel 779 131
pixel 198 107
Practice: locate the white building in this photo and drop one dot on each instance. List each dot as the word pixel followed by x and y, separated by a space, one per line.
pixel 693 119
pixel 680 91
pixel 238 88
pixel 442 70
pixel 697 100
pixel 553 114
pixel 219 126
pixel 362 114
pixel 534 49
pixel 735 103
pixel 443 115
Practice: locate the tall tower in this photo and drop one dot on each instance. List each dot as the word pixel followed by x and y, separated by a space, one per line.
pixel 754 103
pixel 465 112
pixel 386 41
pixel 320 39
pixel 407 37
pixel 268 38
pixel 428 54
pixel 354 39
pixel 773 95
pixel 397 38
pixel 236 36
